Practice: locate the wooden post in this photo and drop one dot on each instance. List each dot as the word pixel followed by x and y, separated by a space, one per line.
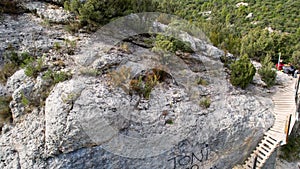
pixel 254 162
pixel 288 127
pixel 297 88
pixel 297 99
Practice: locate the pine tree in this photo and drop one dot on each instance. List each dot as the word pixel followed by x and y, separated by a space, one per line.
pixel 242 72
pixel 268 75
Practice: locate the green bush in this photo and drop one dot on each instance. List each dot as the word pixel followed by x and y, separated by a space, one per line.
pixel 205 102
pixel 5 113
pixel 169 121
pixel 98 12
pixel 12 62
pixel 171 44
pixel 11 7
pixel 32 68
pixel 296 58
pixel 201 81
pixel 291 151
pixel 144 85
pixel 242 72
pixel 60 77
pixel 6 71
pixel 268 75
pixel 24 100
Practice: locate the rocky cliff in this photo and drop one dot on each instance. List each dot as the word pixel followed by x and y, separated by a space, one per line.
pixel 191 118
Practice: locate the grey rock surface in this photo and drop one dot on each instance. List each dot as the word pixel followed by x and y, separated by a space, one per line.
pixel 51 13
pixel 282 164
pixel 16 80
pixel 17 105
pixel 100 122
pixel 23 35
pixel 3 90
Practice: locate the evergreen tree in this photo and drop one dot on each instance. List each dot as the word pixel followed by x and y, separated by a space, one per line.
pixel 242 72
pixel 268 75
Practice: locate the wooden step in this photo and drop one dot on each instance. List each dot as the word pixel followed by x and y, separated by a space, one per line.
pixel 270 145
pixel 284 106
pixel 274 140
pixel 276 130
pixel 281 117
pixel 279 114
pixel 287 110
pixel 261 150
pixel 280 120
pixel 266 149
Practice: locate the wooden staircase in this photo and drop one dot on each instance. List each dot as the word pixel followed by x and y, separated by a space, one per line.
pixel 285 117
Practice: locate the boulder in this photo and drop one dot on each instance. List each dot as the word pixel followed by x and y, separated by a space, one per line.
pixel 16 80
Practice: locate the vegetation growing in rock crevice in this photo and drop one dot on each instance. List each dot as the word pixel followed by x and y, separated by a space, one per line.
pixel 12 62
pixel 5 113
pixel 11 7
pixel 202 81
pixel 32 68
pixel 143 84
pixel 205 102
pixel 171 44
pixel 242 72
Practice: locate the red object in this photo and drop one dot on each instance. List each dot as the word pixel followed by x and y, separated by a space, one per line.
pixel 279 67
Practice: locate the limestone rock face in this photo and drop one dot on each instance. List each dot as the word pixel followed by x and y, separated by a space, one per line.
pixel 190 118
pixel 51 13
pixel 59 126
pixel 16 80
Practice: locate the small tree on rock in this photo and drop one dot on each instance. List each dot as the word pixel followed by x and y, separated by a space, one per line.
pixel 242 72
pixel 268 75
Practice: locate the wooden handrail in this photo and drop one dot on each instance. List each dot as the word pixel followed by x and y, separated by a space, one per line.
pixel 287 127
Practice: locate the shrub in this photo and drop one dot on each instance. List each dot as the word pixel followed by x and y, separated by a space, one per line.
pixel 5 113
pixel 201 81
pixel 268 75
pixel 4 106
pixel 56 46
pixel 73 27
pixel 296 58
pixel 33 68
pixel 205 102
pixel 171 44
pixel 169 121
pixel 60 77
pixel 11 6
pixel 70 46
pixel 24 100
pixel 151 81
pixel 56 77
pixel 144 84
pixel 291 150
pixel 12 62
pixel 119 78
pixel 95 12
pixel 242 72
pixel 72 5
pixel 7 70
